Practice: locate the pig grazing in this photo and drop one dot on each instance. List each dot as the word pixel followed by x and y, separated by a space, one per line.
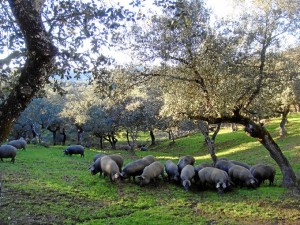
pixel 110 168
pixel 149 158
pixel 186 176
pixel 172 171
pixel 185 160
pixel 200 167
pixel 118 159
pixel 263 172
pixel 74 149
pixel 18 144
pixel 96 167
pixel 224 164
pixel 151 172
pixel 8 151
pixel 240 164
pixel 242 176
pixel 136 168
pixel 98 156
pixel 214 177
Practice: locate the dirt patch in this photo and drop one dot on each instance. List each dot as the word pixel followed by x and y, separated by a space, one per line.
pixel 31 207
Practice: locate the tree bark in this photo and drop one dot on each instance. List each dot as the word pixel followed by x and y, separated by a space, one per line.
pixel 127 137
pixel 53 129
pixel 152 137
pixel 210 141
pixel 38 66
pixel 79 135
pixel 171 136
pixel 33 131
pixel 112 140
pixel 63 133
pixel 101 142
pixel 282 130
pixel 233 127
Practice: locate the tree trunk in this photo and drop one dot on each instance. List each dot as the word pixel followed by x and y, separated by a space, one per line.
pixel 282 130
pixel 127 137
pixel 101 142
pixel 79 135
pixel 63 133
pixel 53 130
pixel 210 141
pixel 54 137
pixel 33 131
pixel 152 137
pixel 289 177
pixel 38 66
pixel 172 136
pixel 112 140
pixel 264 137
pixel 233 127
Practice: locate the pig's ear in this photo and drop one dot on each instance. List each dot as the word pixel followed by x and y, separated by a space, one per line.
pixel 140 178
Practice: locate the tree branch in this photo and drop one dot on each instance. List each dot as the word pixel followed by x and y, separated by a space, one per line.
pixel 10 57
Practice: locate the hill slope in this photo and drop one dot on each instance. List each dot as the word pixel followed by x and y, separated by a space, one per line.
pixel 46 187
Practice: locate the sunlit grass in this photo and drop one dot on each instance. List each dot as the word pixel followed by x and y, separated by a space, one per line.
pixel 46 187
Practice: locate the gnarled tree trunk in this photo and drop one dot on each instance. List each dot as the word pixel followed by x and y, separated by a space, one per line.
pixel 289 177
pixel 152 137
pixel 210 141
pixel 38 66
pixel 284 113
pixel 264 137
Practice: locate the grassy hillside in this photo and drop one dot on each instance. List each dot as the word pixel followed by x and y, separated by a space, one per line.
pixel 46 187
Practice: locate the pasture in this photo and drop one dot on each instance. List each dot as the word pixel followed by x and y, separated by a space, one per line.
pixel 46 187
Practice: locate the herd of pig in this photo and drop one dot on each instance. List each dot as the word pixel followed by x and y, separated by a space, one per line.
pixel 222 176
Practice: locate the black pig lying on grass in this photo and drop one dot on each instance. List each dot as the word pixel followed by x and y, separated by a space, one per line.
pixel 74 149
pixel 8 151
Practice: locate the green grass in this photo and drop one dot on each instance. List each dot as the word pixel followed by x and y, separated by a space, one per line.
pixel 46 187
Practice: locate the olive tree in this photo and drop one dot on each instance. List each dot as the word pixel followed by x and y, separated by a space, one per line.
pixel 222 74
pixel 41 39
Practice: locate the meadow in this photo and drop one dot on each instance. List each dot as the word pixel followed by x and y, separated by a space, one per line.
pixel 46 187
